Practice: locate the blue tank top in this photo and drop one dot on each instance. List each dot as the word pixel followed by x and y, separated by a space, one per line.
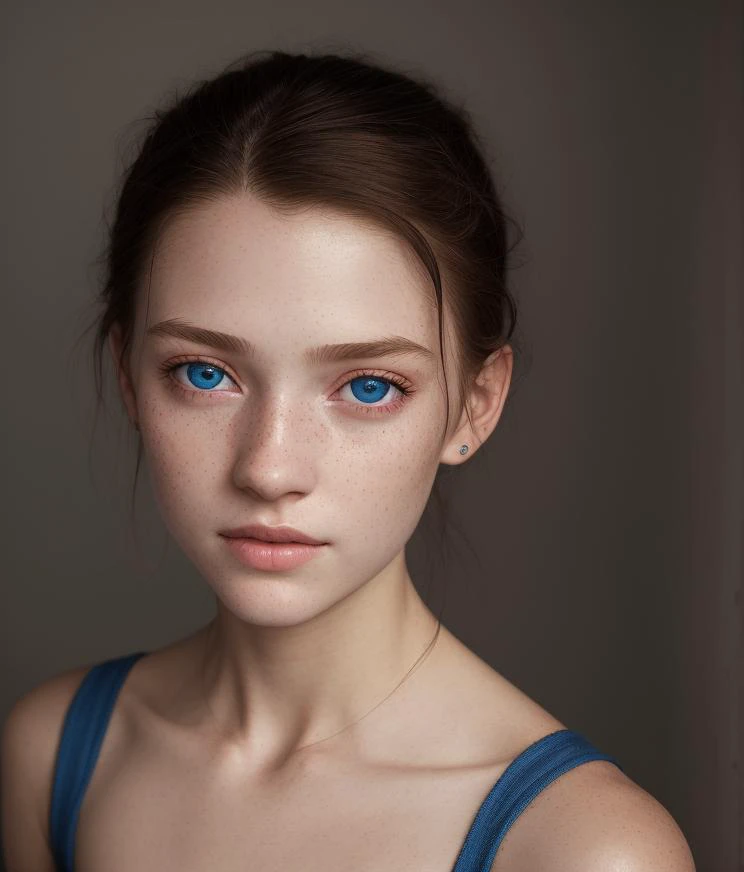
pixel 89 712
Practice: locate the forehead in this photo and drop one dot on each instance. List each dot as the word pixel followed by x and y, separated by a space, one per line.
pixel 238 265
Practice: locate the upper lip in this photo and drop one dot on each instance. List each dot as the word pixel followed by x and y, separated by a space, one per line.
pixel 271 534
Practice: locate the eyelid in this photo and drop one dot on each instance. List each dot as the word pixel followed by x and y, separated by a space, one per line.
pixel 372 371
pixel 402 384
pixel 398 380
pixel 181 359
pixel 167 369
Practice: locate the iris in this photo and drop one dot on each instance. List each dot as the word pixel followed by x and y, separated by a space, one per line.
pixel 370 389
pixel 209 375
pixel 373 389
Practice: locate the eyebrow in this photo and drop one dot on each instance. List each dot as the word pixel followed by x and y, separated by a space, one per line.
pixel 387 346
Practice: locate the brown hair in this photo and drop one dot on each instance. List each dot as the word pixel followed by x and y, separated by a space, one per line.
pixel 299 130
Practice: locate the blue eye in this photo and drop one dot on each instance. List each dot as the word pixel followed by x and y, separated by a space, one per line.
pixel 204 375
pixel 201 374
pixel 370 388
pixel 367 387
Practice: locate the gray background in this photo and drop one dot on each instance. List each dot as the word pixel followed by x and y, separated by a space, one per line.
pixel 606 511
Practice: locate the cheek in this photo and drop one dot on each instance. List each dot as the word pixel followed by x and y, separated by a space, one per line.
pixel 366 489
pixel 382 488
pixel 370 485
pixel 184 464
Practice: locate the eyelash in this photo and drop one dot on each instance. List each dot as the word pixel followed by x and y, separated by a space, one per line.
pixel 403 386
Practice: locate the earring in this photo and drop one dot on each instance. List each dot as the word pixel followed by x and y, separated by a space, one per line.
pixel 463 449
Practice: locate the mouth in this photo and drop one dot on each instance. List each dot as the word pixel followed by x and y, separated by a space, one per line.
pixel 271 556
pixel 272 535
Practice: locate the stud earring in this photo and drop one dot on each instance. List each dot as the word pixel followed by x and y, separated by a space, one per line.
pixel 463 449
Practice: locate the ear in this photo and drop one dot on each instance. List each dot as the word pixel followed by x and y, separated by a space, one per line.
pixel 123 377
pixel 486 399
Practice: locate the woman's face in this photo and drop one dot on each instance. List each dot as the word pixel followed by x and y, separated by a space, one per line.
pixel 277 433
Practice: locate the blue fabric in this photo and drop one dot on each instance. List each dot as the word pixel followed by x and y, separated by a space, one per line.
pixel 534 769
pixel 82 736
pixel 90 710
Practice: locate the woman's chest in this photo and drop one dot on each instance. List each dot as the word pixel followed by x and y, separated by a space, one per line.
pixel 181 816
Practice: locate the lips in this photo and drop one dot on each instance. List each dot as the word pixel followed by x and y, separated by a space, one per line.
pixel 271 534
pixel 272 556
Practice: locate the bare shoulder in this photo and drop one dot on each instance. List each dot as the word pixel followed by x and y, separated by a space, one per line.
pixel 30 737
pixel 594 818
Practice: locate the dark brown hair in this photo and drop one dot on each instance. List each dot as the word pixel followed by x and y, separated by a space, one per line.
pixel 299 130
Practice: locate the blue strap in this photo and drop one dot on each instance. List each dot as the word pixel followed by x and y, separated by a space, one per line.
pixel 534 769
pixel 82 735
pixel 89 712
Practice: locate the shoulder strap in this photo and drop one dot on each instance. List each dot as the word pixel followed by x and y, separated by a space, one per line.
pixel 529 773
pixel 84 727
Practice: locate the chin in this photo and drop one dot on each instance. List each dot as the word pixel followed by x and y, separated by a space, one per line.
pixel 275 600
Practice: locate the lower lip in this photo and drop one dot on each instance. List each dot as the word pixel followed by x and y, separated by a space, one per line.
pixel 271 556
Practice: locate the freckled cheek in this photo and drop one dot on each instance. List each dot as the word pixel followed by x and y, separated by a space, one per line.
pixel 382 474
pixel 385 485
pixel 181 457
pixel 178 481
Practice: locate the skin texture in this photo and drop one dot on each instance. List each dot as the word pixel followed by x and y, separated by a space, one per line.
pixel 295 657
pixel 280 735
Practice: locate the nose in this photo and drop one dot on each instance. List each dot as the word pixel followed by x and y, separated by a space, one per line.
pixel 277 447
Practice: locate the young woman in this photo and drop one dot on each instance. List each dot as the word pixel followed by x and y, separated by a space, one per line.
pixel 307 311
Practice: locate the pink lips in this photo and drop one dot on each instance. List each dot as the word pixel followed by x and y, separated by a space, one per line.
pixel 271 548
pixel 271 556
pixel 271 534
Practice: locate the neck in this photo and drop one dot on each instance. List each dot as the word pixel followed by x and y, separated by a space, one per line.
pixel 273 691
